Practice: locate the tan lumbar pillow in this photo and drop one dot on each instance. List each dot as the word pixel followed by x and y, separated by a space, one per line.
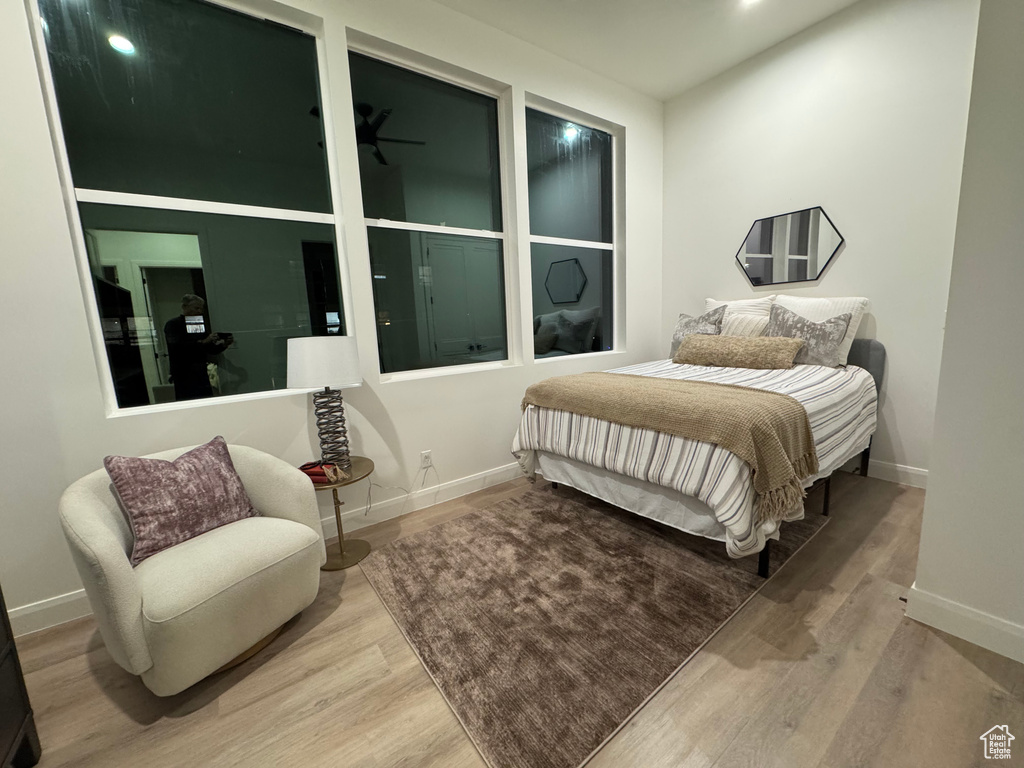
pixel 759 352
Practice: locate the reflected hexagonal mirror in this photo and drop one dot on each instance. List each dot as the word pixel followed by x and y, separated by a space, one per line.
pixel 565 281
pixel 790 248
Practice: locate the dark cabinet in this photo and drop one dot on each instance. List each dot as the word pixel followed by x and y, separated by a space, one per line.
pixel 19 743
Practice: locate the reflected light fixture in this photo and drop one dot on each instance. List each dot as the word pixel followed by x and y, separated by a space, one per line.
pixel 749 3
pixel 121 44
pixel 571 132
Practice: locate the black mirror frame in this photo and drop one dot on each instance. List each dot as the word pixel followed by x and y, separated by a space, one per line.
pixel 583 285
pixel 821 272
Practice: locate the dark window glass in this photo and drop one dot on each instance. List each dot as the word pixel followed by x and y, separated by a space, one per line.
pixel 428 150
pixel 797 269
pixel 759 241
pixel 186 99
pixel 799 233
pixel 204 304
pixel 570 174
pixel 440 299
pixel 572 299
pixel 759 269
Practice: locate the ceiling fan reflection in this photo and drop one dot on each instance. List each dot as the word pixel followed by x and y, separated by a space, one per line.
pixel 368 131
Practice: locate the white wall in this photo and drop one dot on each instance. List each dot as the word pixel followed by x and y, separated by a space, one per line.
pixel 864 114
pixel 970 574
pixel 51 411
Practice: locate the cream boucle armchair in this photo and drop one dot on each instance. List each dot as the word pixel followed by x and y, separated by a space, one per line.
pixel 183 613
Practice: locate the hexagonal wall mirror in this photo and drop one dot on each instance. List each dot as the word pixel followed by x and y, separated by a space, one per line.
pixel 790 248
pixel 565 281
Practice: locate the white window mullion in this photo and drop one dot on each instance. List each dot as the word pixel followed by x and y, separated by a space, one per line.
pixel 410 226
pixel 198 206
pixel 572 243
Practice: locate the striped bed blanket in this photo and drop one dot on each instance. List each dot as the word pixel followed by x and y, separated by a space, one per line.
pixel 841 408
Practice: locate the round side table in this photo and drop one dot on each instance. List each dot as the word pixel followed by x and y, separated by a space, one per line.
pixel 350 551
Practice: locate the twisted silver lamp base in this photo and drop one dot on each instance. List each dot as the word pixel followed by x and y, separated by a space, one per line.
pixel 330 423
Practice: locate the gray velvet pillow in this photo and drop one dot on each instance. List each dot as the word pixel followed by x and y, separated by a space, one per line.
pixel 576 329
pixel 708 324
pixel 822 340
pixel 168 502
pixel 544 338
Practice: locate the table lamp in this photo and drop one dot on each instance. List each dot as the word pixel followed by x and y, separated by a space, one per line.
pixel 331 362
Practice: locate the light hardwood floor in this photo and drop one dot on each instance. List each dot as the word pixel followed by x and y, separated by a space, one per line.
pixel 821 668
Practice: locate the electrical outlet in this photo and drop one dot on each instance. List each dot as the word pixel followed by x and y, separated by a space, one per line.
pixel 426 460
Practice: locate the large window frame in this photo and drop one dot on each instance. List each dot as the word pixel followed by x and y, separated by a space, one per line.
pixel 265 10
pixel 616 246
pixel 503 93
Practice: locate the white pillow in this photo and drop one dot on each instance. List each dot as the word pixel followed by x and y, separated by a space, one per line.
pixel 820 310
pixel 745 317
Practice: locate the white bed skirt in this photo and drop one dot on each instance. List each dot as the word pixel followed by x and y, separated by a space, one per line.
pixel 665 505
pixel 656 502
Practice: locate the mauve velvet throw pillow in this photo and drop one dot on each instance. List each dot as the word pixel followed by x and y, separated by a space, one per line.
pixel 168 502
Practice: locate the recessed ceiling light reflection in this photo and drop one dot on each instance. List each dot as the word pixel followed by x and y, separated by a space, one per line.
pixel 749 3
pixel 571 132
pixel 121 44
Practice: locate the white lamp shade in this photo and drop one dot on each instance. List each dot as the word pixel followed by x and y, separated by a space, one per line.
pixel 315 362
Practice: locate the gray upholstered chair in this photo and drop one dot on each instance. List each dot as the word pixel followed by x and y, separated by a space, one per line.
pixel 183 613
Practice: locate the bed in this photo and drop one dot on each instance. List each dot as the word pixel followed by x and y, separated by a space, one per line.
pixel 699 487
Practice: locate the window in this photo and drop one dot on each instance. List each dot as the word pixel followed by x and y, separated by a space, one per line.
pixel 195 147
pixel 431 186
pixel 571 235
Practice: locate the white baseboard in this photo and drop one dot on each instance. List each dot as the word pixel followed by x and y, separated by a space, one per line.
pixel 898 473
pixel 354 518
pixel 893 473
pixel 49 613
pixel 999 635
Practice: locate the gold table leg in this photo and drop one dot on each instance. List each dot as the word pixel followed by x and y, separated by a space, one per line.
pixel 349 552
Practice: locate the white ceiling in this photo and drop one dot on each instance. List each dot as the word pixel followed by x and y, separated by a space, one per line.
pixel 657 47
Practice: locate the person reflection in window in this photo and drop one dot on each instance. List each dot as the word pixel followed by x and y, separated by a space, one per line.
pixel 190 347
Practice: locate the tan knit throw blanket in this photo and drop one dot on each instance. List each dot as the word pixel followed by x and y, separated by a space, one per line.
pixel 767 430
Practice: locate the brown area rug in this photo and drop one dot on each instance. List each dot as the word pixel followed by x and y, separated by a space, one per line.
pixel 547 619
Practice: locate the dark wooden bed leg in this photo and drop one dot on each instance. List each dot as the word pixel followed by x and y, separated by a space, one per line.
pixel 763 559
pixel 865 458
pixel 554 486
pixel 29 752
pixel 828 495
